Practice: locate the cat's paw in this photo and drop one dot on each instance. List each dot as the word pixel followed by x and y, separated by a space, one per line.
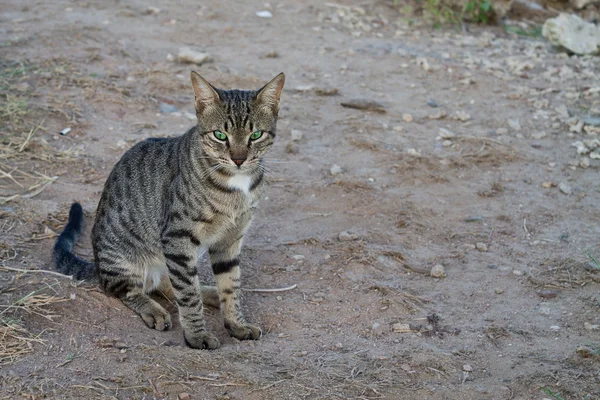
pixel 157 318
pixel 243 331
pixel 201 340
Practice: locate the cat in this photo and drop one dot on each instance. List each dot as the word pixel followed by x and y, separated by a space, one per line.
pixel 168 200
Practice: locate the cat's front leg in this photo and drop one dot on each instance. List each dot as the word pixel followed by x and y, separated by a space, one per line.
pixel 180 249
pixel 225 262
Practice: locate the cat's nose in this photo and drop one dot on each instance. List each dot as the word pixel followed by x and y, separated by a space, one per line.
pixel 238 161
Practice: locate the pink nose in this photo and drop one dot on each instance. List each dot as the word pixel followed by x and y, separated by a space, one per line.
pixel 238 161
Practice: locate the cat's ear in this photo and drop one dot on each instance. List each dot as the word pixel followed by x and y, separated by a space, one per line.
pixel 206 95
pixel 270 93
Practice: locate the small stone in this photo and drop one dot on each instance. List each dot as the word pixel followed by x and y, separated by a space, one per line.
pixel 577 128
pixel 166 108
pixel 446 134
pixel 363 104
pixel 548 185
pixel 481 247
pixel 292 148
pixel 423 63
pixel 335 170
pixel 339 346
pixel 462 116
pixel 438 271
pixel 547 293
pixel 377 329
pixel 584 162
pixel 545 310
pixel 467 368
pixel 566 189
pixel 432 103
pixel 187 55
pixel 586 351
pixel 591 327
pixel 413 152
pixel 278 298
pixel 514 124
pixel 538 135
pixel 407 118
pixel 517 272
pixel 501 131
pixel 405 367
pixel 438 114
pixel 184 396
pixel 298 257
pixel 499 290
pixel 264 14
pixel 327 91
pixel 296 135
pixel 347 236
pixel 555 328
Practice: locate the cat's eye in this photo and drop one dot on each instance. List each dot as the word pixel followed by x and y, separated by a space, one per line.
pixel 220 135
pixel 256 135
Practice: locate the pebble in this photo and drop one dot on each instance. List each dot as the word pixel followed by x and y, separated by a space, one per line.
pixel 547 294
pixel 407 118
pixel 187 55
pixel 363 104
pixel 264 14
pixel 292 148
pixel 297 135
pixel 566 189
pixel 438 114
pixel 347 236
pixel 555 328
pixel 467 368
pixel 432 103
pixel 481 247
pixel 413 152
pixel 446 134
pixel 401 328
pixel 514 124
pixel 184 396
pixel 298 257
pixel 499 290
pixel 591 327
pixel 517 272
pixel 548 185
pixel 339 345
pixel 438 271
pixel 474 218
pixel 166 108
pixel 335 170
pixel 377 329
pixel 463 116
pixel 327 91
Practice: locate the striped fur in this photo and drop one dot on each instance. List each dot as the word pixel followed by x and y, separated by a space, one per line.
pixel 166 199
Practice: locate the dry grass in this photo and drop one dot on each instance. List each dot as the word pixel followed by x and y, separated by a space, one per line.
pixel 563 273
pixel 482 151
pixel 15 340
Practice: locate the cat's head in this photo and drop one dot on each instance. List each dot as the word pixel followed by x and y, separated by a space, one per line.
pixel 237 127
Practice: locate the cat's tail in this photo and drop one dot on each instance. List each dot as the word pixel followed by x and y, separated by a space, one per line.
pixel 65 261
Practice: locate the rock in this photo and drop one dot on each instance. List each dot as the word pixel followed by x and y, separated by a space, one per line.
pixel 184 396
pixel 407 118
pixel 187 55
pixel 166 108
pixel 339 346
pixel 432 103
pixel 481 247
pixel 347 236
pixel 579 4
pixel 335 170
pixel 327 91
pixel 298 257
pixel 438 115
pixel 446 134
pixel 584 162
pixel 264 14
pixel 594 121
pixel 547 293
pixel 363 104
pixel 555 328
pixel 413 152
pixel 296 135
pixel 586 351
pixel 467 368
pixel 462 116
pixel 566 189
pixel 401 328
pixel 499 290
pixel 572 33
pixel 377 329
pixel 595 155
pixel 423 63
pixel 514 124
pixel 438 271
pixel 292 148
pixel 577 128
pixel 591 327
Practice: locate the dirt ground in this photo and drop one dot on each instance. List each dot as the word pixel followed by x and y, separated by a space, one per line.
pixel 470 167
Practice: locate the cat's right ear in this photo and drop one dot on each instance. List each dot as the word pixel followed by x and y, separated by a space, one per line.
pixel 206 95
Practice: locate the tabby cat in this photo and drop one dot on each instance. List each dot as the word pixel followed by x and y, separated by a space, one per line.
pixel 169 200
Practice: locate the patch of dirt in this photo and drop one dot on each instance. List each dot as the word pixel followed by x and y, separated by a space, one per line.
pixel 471 166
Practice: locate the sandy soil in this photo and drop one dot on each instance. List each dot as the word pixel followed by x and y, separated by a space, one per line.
pixel 481 199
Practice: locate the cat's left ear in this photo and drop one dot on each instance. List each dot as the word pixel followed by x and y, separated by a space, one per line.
pixel 206 95
pixel 270 93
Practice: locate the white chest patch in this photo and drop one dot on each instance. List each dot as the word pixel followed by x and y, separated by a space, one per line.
pixel 240 182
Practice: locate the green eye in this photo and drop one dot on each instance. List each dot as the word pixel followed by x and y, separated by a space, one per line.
pixel 256 135
pixel 220 135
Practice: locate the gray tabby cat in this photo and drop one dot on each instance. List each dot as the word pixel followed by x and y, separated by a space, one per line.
pixel 167 200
